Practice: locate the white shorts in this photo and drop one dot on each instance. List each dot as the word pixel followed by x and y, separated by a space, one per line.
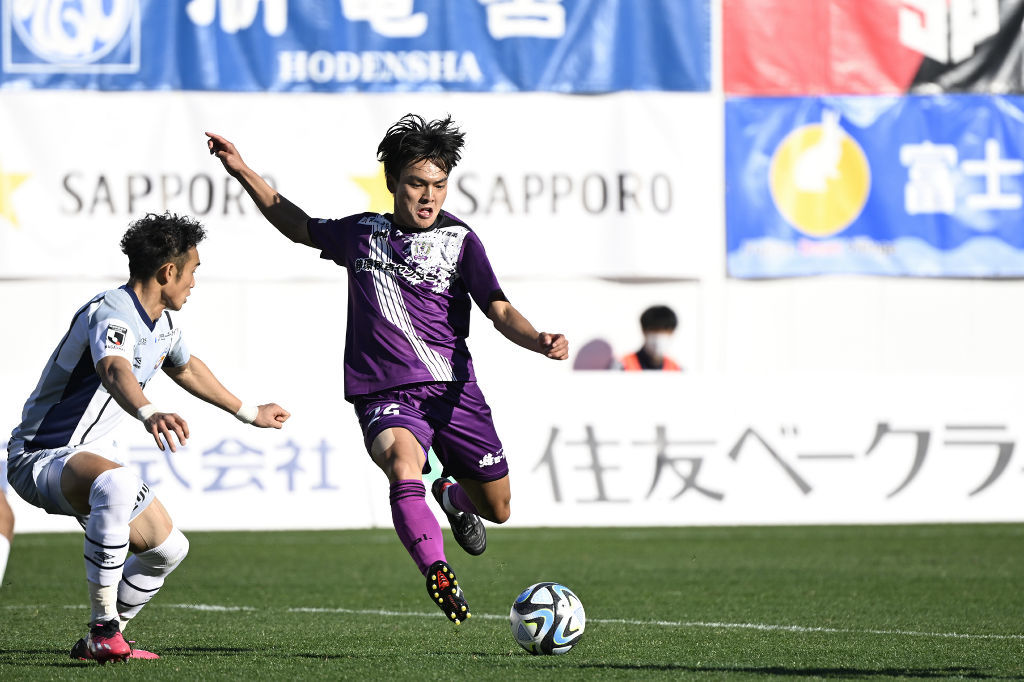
pixel 36 475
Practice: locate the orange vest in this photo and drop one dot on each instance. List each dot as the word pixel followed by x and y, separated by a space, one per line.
pixel 631 363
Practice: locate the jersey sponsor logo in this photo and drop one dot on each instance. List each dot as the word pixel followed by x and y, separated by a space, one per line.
pixel 115 335
pixel 413 275
pixel 491 459
pixel 160 361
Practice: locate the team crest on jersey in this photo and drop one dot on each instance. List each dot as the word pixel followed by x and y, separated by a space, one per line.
pixel 115 335
pixel 436 253
pixel 420 250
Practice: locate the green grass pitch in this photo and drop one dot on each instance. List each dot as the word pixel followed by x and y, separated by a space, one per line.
pixel 880 602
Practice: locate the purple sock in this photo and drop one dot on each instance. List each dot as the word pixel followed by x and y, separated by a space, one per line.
pixel 458 498
pixel 415 524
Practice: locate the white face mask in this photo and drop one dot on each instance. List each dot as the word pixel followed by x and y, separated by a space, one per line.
pixel 657 344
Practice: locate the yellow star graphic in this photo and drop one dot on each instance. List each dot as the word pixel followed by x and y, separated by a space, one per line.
pixel 8 183
pixel 376 189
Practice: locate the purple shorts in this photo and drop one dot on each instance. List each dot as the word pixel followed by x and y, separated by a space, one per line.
pixel 453 418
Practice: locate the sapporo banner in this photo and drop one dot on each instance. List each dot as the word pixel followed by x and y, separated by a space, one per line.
pixel 813 47
pixel 357 45
pixel 917 186
pixel 77 167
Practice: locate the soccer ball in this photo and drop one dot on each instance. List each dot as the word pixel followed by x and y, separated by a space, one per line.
pixel 547 618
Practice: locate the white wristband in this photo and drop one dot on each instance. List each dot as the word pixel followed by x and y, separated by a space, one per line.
pixel 146 411
pixel 247 413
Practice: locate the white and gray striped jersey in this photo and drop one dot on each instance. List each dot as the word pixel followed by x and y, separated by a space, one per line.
pixel 69 406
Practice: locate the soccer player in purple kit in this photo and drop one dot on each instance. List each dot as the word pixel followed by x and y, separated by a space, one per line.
pixel 408 372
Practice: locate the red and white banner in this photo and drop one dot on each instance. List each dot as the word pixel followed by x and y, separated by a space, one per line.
pixel 815 47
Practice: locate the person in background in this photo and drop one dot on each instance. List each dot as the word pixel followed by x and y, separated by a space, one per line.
pixel 658 324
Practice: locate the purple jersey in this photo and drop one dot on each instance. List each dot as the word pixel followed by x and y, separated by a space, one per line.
pixel 408 298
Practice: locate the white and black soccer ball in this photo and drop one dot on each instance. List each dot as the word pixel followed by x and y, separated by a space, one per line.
pixel 547 618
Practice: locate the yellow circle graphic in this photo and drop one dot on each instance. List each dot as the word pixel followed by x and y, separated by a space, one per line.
pixel 820 178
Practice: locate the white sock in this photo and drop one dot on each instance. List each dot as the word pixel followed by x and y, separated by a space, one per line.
pixel 103 600
pixel 5 551
pixel 447 503
pixel 144 574
pixel 111 499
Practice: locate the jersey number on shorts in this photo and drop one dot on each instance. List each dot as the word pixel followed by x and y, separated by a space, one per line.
pixel 379 412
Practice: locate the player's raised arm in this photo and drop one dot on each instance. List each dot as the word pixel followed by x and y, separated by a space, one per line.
pixel 115 374
pixel 197 378
pixel 289 219
pixel 517 329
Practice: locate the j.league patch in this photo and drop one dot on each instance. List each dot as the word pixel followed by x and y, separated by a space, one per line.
pixel 115 335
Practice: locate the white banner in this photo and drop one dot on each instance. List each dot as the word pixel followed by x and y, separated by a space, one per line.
pixel 596 449
pixel 584 448
pixel 624 185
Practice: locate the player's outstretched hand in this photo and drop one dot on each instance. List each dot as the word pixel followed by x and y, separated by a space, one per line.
pixel 271 415
pixel 226 152
pixel 554 346
pixel 162 424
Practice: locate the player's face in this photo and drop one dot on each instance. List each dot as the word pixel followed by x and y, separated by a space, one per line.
pixel 420 191
pixel 176 292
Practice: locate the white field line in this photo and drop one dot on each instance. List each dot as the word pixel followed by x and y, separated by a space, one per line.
pixel 685 624
pixel 766 627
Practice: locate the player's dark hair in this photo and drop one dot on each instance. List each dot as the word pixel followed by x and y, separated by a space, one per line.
pixel 157 239
pixel 413 139
pixel 658 318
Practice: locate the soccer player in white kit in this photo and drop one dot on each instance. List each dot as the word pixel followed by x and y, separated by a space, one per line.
pixel 61 458
pixel 6 534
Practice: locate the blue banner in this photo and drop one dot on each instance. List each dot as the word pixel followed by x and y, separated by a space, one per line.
pixel 584 46
pixel 916 186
